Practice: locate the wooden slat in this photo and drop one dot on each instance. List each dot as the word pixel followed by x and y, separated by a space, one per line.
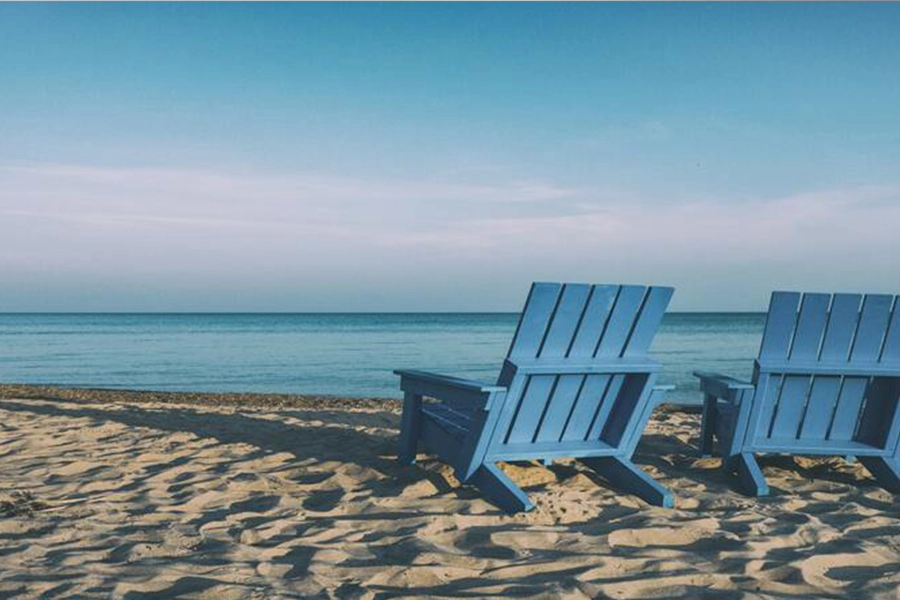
pixel 566 449
pixel 780 323
pixel 891 350
pixel 820 408
pixel 560 409
pixel 873 322
pixel 841 326
pixel 534 320
pixel 621 320
pixel 569 366
pixel 846 413
pixel 566 319
pixel 791 404
pixel 447 421
pixel 810 325
pixel 648 321
pixel 846 369
pixel 769 400
pixel 607 404
pixel 734 442
pixel 531 407
pixel 793 446
pixel 589 398
pixel 461 418
pixel 593 322
pixel 796 390
pixel 631 397
pixel 649 400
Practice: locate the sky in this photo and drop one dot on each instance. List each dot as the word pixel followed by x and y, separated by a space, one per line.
pixel 440 157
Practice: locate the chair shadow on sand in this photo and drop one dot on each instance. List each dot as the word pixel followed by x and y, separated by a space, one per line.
pixel 675 457
pixel 343 440
pixel 337 441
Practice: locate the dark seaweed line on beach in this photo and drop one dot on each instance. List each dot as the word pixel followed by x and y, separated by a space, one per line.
pixel 256 400
pixel 24 391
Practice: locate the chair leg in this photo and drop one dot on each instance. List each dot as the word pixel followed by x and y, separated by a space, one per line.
pixel 410 424
pixel 500 489
pixel 748 473
pixel 624 474
pixel 885 470
pixel 708 425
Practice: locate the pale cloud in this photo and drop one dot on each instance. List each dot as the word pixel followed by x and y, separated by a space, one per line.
pixel 822 223
pixel 207 227
pixel 118 213
pixel 380 211
pixel 113 219
pixel 54 182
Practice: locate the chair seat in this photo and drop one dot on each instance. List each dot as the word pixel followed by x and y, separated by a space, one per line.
pixel 454 421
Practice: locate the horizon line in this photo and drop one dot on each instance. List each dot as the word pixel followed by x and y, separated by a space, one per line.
pixel 379 312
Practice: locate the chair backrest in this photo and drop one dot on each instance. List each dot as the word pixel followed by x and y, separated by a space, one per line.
pixel 828 370
pixel 577 366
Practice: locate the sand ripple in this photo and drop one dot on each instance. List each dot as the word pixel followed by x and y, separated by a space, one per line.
pixel 133 501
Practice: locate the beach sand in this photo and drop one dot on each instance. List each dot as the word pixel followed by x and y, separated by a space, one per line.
pixel 133 495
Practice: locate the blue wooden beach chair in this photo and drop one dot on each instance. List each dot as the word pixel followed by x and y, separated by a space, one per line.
pixel 826 383
pixel 576 382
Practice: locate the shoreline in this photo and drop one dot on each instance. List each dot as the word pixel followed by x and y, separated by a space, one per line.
pixel 272 401
pixel 27 391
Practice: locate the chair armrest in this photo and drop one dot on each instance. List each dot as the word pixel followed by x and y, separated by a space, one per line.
pixel 721 386
pixel 464 393
pixel 658 393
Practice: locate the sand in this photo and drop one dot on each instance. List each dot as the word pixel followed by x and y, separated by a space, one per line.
pixel 103 496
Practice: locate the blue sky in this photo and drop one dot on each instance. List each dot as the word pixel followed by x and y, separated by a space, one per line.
pixel 441 157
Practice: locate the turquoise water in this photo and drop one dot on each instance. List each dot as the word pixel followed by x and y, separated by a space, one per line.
pixel 342 354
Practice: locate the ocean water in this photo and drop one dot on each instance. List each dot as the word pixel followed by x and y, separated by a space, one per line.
pixel 340 354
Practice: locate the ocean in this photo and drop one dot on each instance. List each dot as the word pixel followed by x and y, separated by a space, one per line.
pixel 338 354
